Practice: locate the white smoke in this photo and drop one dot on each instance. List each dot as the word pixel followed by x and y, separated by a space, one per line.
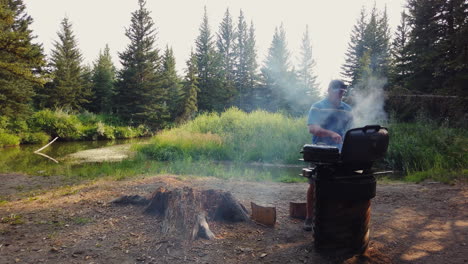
pixel 368 102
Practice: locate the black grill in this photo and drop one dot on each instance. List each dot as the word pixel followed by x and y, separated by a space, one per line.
pixel 344 184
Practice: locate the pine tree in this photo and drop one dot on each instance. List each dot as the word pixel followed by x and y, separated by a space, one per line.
pixel 103 80
pixel 140 98
pixel 252 68
pixel 171 83
pixel 400 55
pixel 241 75
pixel 225 43
pixel 212 96
pixel 20 60
pixel 355 49
pixel 190 90
pixel 307 80
pixel 276 73
pixel 424 45
pixel 455 47
pixel 67 89
pixel 370 38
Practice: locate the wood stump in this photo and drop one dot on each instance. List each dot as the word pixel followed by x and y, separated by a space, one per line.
pixel 185 211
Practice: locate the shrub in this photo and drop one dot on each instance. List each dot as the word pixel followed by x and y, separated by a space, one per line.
pixel 34 138
pixel 57 124
pixel 98 131
pixel 8 140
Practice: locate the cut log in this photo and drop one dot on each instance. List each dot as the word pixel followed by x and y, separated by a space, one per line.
pixel 186 211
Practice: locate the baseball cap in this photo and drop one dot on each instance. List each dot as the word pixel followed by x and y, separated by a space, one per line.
pixel 337 85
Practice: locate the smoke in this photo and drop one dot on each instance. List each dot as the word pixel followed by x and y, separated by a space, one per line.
pixel 368 100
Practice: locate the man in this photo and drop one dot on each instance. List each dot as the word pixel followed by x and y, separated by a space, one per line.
pixel 328 121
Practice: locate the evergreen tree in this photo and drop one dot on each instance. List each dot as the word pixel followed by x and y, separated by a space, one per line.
pixel 171 83
pixel 370 38
pixel 455 47
pixel 226 39
pixel 355 50
pixel 307 80
pixel 20 60
pixel 190 90
pixel 276 73
pixel 140 98
pixel 424 45
pixel 252 67
pixel 400 70
pixel 103 80
pixel 67 89
pixel 241 67
pixel 438 46
pixel 212 96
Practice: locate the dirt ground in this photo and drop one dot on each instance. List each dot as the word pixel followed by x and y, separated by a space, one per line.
pixel 410 223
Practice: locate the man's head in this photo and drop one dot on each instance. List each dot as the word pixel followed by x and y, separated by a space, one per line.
pixel 336 90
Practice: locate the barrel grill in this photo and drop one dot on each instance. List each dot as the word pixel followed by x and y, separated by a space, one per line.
pixel 344 186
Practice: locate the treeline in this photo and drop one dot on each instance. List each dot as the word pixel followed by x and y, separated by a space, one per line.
pixel 222 71
pixel 427 55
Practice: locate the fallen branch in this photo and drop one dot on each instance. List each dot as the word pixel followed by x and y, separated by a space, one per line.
pixel 46 145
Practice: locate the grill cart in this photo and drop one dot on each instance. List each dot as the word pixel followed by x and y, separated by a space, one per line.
pixel 344 185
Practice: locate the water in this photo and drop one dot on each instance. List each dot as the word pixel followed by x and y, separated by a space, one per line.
pixel 22 158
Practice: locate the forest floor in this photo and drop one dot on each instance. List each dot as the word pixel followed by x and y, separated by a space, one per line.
pixel 43 220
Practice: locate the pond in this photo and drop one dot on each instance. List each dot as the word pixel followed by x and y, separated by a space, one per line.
pixel 23 159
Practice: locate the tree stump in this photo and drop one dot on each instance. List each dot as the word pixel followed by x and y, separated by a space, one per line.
pixel 186 211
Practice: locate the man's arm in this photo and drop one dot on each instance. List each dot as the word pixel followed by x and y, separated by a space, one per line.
pixel 318 131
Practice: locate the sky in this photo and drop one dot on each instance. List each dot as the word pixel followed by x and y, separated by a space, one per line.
pixel 96 23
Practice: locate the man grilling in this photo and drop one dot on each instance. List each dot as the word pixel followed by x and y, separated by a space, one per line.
pixel 328 121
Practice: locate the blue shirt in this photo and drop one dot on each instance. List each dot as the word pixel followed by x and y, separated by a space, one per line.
pixel 330 117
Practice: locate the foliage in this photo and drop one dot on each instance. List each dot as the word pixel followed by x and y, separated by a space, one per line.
pixel 425 147
pixel 20 60
pixel 171 83
pixel 213 96
pixel 437 46
pixel 368 52
pixel 277 74
pixel 69 88
pixel 8 139
pixel 103 79
pixel 34 138
pixel 257 136
pixel 140 97
pixel 190 91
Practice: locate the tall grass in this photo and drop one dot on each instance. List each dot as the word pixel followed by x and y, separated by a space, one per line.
pixel 424 150
pixel 418 150
pixel 233 135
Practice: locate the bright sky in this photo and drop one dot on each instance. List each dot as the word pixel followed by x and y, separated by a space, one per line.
pixel 96 23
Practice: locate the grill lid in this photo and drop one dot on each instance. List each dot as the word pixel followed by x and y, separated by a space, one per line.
pixel 365 144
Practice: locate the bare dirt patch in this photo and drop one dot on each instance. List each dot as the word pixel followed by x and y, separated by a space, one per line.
pixel 411 223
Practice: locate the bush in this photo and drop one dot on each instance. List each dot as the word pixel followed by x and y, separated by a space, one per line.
pixel 34 138
pixel 56 124
pixel 8 140
pixel 98 131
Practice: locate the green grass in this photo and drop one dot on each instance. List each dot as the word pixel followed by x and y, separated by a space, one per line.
pixel 427 151
pixel 233 135
pixel 225 146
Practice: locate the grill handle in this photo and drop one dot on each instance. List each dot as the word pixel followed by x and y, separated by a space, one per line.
pixel 371 127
